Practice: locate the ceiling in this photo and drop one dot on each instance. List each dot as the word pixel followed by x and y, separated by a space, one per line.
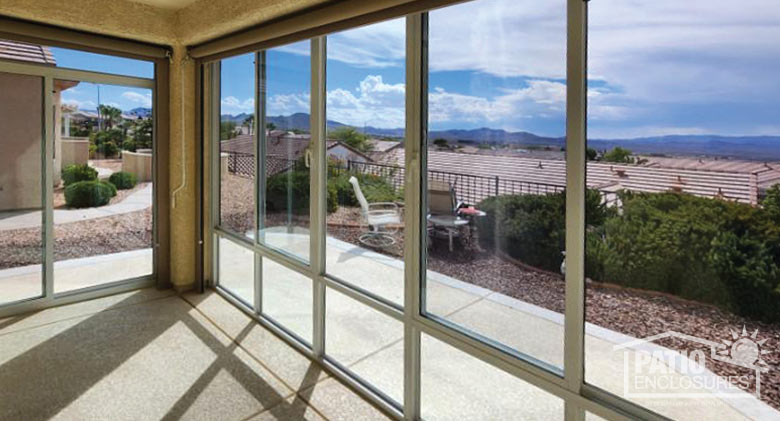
pixel 167 4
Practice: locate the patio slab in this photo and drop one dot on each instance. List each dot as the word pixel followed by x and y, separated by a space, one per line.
pixel 370 344
pixel 26 281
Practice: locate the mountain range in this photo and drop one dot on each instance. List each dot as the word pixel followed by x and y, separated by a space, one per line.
pixel 762 148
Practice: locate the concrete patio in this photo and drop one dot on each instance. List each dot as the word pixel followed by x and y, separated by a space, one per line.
pixel 371 344
pixel 26 282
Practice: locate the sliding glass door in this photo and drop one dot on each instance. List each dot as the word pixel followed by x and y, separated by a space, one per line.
pixel 76 179
pixel 21 187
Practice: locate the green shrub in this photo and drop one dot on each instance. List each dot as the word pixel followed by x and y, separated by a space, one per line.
pixel 122 180
pixel 619 155
pixel 374 188
pixel 86 194
pixel 532 228
pixel 74 173
pixel 129 145
pixel 107 141
pixel 340 191
pixel 712 251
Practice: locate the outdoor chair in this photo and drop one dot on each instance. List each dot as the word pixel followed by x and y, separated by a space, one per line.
pixel 381 219
pixel 443 210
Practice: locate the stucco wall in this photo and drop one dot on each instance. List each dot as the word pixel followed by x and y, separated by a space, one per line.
pixel 139 164
pixel 202 20
pixel 21 111
pixel 74 150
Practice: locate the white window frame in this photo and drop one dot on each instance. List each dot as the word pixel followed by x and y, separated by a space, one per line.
pixel 566 383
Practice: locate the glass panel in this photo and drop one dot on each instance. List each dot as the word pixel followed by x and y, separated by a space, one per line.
pixel 103 190
pixel 366 342
pixel 82 60
pixel 497 172
pixel 287 138
pixel 366 119
pixel 456 385
pixel 237 270
pixel 237 145
pixel 21 142
pixel 683 248
pixel 287 298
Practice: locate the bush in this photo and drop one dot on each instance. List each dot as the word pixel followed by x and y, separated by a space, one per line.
pixel 129 145
pixel 619 155
pixel 74 173
pixel 712 251
pixel 122 180
pixel 532 228
pixel 107 141
pixel 86 194
pixel 295 185
pixel 374 188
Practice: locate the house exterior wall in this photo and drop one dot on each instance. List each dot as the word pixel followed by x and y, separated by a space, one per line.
pixel 75 150
pixel 21 117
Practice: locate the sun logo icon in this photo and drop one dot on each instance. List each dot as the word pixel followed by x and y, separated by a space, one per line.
pixel 745 350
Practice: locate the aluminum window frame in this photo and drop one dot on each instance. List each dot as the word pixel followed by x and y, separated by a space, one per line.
pixel 50 298
pixel 567 383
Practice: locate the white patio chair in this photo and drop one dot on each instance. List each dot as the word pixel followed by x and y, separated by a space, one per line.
pixel 382 219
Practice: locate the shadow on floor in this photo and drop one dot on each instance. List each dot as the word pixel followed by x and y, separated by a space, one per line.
pixel 51 373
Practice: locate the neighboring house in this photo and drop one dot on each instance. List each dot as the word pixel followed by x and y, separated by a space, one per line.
pixel 21 108
pixel 282 148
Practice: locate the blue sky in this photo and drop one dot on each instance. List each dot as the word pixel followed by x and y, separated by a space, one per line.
pixel 85 95
pixel 655 68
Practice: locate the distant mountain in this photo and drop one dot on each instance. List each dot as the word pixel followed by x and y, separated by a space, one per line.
pixel 140 112
pixel 763 148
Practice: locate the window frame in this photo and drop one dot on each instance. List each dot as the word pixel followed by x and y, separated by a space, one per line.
pixel 566 383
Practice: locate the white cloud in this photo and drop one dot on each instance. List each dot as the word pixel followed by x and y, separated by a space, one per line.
pixel 233 105
pixel 145 100
pixel 376 103
pixel 82 105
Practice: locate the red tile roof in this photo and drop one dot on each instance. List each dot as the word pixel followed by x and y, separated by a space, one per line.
pixel 22 51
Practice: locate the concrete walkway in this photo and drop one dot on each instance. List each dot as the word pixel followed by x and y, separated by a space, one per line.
pixel 139 200
pixel 371 344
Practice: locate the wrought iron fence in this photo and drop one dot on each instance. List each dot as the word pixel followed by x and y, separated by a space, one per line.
pixel 469 188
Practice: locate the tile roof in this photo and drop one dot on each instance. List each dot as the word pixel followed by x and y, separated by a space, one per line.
pixel 22 51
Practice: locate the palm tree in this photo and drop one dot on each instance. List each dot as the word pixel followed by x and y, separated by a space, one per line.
pixel 109 114
pixel 249 122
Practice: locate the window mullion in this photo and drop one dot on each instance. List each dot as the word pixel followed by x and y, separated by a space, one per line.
pixel 576 97
pixel 318 174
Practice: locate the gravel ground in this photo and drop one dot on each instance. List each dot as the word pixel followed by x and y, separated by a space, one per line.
pixel 130 231
pixel 629 312
pixel 635 313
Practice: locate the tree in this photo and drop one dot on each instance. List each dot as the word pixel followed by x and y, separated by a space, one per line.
pixel 619 155
pixel 111 115
pixel 270 126
pixel 250 122
pixel 227 130
pixel 591 154
pixel 142 133
pixel 440 142
pixel 351 137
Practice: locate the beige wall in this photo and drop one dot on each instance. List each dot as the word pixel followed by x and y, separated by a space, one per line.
pixel 204 19
pixel 21 108
pixel 74 150
pixel 138 163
